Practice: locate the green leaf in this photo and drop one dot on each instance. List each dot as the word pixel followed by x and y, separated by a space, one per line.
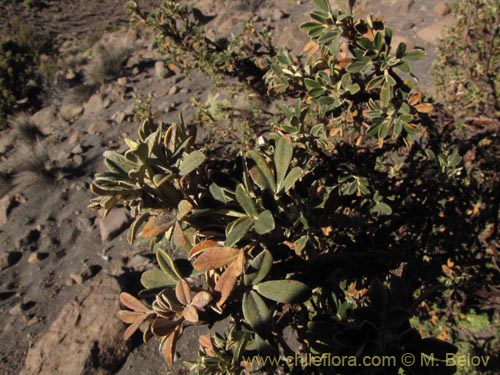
pixel 385 94
pixel 156 278
pixel 375 83
pixel 282 158
pixel 264 222
pixel 167 265
pixel 415 55
pixel 259 268
pixel 285 291
pixel 292 178
pixel 116 160
pixel 322 5
pixel 246 201
pixel 256 312
pixel 219 193
pixel 238 229
pixel 357 66
pixel 191 162
pixel 260 173
pixel 401 50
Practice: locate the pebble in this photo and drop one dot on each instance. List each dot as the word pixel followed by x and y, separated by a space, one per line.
pixel 173 90
pixel 9 258
pixel 442 9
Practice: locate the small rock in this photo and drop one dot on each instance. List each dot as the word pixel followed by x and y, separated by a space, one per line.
pixel 7 203
pixel 407 25
pixel 94 105
pixel 69 281
pixel 74 137
pixel 185 91
pixel 113 224
pixel 77 161
pixel 70 111
pixel 70 74
pixel 178 78
pixel 173 90
pixel 119 117
pixel 36 257
pixel 98 126
pixel 138 262
pixel 77 150
pixel 278 14
pixel 160 70
pixel 21 307
pixel 33 321
pixel 135 71
pixel 45 119
pixel 122 81
pixel 9 258
pixel 442 9
pixel 86 274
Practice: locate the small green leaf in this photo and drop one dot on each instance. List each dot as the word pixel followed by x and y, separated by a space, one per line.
pixel 246 201
pixel 282 158
pixel 259 268
pixel 322 5
pixel 167 265
pixel 385 94
pixel 191 162
pixel 285 291
pixel 264 222
pixel 357 66
pixel 260 173
pixel 238 229
pixel 218 193
pixel 156 278
pixel 292 178
pixel 415 55
pixel 256 312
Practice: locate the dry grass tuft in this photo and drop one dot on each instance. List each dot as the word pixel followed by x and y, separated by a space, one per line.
pixel 107 61
pixel 25 129
pixel 32 165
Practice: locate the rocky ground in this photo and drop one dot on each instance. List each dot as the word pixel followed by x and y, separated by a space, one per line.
pixel 62 266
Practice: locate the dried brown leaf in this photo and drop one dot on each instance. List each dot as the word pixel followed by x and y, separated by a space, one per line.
pixel 183 292
pixel 215 257
pixel 201 299
pixel 157 225
pixel 198 248
pixel 190 313
pixel 133 303
pixel 163 327
pixel 227 280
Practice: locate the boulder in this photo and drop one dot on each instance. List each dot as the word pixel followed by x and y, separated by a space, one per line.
pixel 86 337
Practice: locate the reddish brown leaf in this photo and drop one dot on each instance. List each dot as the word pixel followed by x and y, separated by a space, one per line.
pixel 133 303
pixel 424 108
pixel 414 98
pixel 157 225
pixel 163 327
pixel 183 292
pixel 201 299
pixel 129 317
pixel 206 344
pixel 227 280
pixel 134 326
pixel 179 237
pixel 200 247
pixel 167 346
pixel 183 209
pixel 215 257
pixel 191 314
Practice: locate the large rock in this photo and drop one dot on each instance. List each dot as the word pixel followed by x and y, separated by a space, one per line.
pixel 113 224
pixel 86 337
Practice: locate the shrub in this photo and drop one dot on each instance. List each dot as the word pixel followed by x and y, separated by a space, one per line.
pixel 468 68
pixel 329 232
pixel 20 48
pixel 25 129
